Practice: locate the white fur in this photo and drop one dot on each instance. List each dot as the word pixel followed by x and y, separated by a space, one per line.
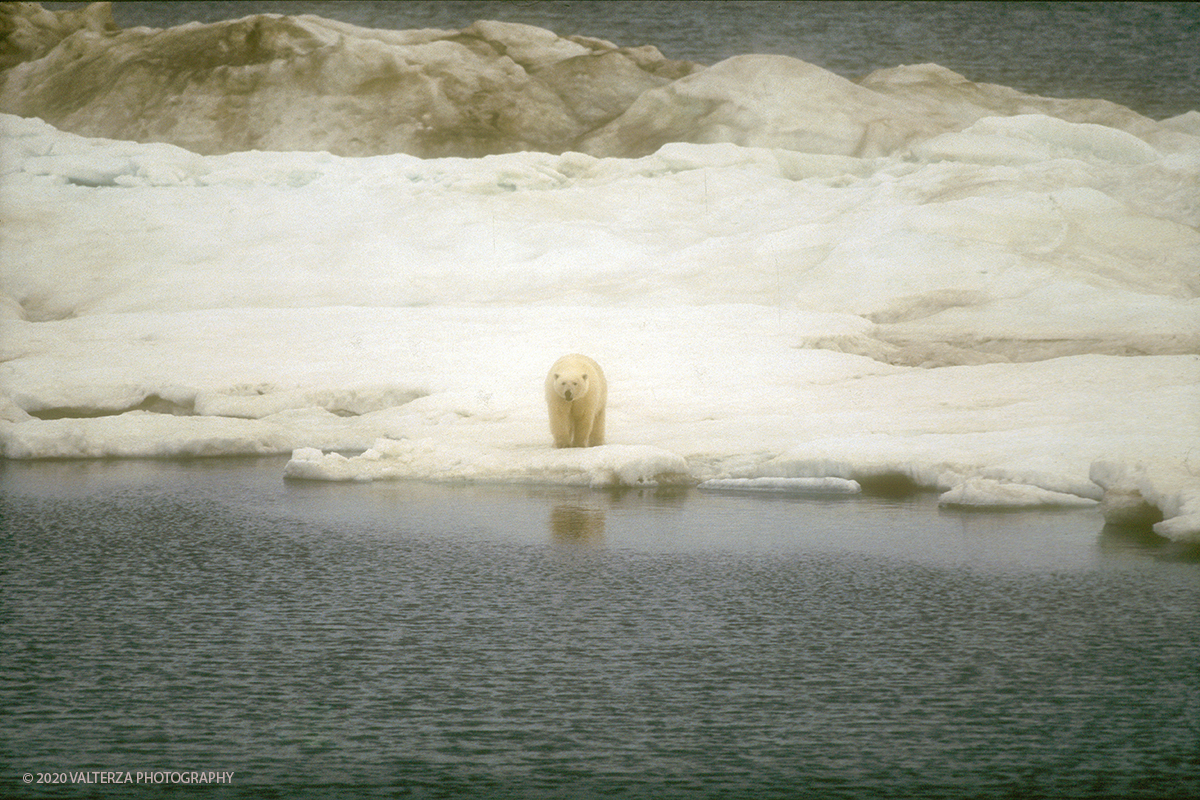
pixel 576 393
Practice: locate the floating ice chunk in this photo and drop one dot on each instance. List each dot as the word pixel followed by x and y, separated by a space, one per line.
pixel 818 486
pixel 991 493
pixel 310 463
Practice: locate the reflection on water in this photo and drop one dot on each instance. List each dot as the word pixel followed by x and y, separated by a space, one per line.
pixel 409 639
pixel 1140 540
pixel 577 523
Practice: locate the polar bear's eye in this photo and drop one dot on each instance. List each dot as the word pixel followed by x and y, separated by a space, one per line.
pixel 556 376
pixel 585 376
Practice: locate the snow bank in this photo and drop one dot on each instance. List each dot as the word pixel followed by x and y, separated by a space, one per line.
pixel 931 297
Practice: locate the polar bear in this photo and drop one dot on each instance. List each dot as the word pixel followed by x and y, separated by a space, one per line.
pixel 576 393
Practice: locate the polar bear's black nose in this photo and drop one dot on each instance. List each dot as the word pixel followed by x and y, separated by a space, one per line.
pixel 567 394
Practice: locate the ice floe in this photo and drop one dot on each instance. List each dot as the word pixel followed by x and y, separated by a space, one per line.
pixel 906 283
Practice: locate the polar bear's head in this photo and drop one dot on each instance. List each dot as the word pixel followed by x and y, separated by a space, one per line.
pixel 571 383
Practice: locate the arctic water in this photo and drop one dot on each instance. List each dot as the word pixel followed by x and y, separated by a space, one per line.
pixel 412 639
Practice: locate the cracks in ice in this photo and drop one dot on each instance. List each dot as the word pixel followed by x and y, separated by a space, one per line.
pixel 152 404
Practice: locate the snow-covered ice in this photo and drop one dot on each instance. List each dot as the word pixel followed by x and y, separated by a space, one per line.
pixel 885 282
pixel 610 465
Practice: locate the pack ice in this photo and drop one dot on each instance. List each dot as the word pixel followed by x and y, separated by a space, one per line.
pixel 794 282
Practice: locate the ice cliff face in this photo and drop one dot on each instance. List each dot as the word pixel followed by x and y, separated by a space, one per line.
pixel 271 82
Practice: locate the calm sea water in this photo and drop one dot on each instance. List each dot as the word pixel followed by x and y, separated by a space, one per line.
pixel 343 640
pixel 1142 55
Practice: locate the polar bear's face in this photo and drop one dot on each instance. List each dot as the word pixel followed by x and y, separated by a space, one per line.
pixel 571 385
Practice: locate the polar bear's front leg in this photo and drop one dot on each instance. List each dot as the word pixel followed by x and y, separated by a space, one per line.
pixel 597 435
pixel 560 423
pixel 581 430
